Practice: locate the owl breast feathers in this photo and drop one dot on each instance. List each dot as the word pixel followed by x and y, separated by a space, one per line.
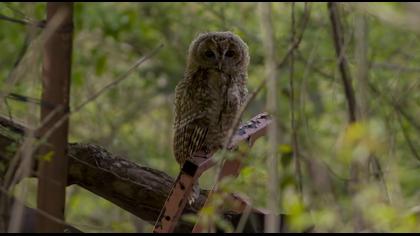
pixel 211 93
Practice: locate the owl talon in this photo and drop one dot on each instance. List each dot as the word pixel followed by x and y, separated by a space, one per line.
pixel 195 193
pixel 191 201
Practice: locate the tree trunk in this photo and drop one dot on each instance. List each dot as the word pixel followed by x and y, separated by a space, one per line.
pixel 273 196
pixel 52 176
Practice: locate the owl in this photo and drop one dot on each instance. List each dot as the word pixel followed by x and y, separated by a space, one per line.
pixel 209 96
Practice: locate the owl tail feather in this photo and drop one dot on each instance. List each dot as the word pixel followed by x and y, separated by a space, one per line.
pixel 194 194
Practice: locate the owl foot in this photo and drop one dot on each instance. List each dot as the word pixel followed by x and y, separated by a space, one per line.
pixel 195 193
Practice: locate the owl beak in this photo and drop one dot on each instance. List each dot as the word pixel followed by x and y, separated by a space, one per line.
pixel 220 65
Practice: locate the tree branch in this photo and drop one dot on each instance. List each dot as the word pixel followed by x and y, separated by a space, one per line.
pixel 39 24
pixel 137 189
pixel 337 33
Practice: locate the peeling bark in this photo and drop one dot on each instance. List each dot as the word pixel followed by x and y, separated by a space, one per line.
pixel 137 189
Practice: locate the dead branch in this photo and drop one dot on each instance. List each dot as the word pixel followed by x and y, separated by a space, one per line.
pixel 137 189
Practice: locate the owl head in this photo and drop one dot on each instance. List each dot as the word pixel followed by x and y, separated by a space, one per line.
pixel 223 51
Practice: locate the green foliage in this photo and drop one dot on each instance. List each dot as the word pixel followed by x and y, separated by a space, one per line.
pixel 48 156
pixel 134 119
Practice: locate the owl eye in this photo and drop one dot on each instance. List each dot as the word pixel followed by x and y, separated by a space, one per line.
pixel 209 54
pixel 230 53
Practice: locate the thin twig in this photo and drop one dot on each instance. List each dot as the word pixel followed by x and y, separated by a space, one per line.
pixel 411 146
pixel 296 43
pixel 120 78
pixel 295 46
pixel 9 110
pixel 237 119
pixel 372 88
pixel 395 106
pixel 45 214
pixel 33 51
pixel 274 193
pixel 337 33
pixel 243 219
pixel 12 175
pixel 294 128
pixel 78 108
pixel 17 211
pixel 399 68
pixel 230 22
pixel 97 94
pixel 22 53
pixel 15 10
pixel 20 202
pixel 39 24
pixel 26 99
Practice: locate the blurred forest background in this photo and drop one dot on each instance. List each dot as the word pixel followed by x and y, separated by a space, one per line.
pixel 134 119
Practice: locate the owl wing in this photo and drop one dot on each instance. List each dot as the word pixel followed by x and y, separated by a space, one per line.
pixel 243 89
pixel 188 140
pixel 191 125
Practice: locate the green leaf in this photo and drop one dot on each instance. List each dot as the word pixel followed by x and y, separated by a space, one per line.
pixel 48 156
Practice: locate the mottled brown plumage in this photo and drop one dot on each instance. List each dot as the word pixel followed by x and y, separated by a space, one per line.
pixel 210 94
